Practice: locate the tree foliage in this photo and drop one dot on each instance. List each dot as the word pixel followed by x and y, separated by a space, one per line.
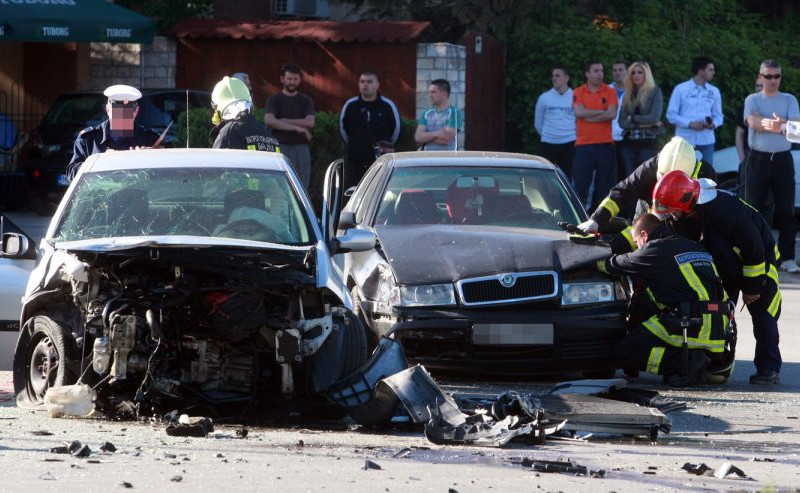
pixel 540 34
pixel 167 13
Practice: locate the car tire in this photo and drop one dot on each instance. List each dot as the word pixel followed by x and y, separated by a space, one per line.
pixel 355 345
pixel 372 338
pixel 45 357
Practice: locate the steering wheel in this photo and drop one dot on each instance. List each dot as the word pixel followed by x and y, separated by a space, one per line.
pixel 248 229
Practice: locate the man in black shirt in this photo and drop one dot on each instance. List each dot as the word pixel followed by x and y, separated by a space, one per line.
pixel 366 120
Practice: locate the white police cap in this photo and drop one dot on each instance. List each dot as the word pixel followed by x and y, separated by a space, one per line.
pixel 122 92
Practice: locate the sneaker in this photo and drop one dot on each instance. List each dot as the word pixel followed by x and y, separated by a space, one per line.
pixel 790 266
pixel 765 377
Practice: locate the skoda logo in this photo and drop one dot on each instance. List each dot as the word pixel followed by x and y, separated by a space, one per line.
pixel 507 280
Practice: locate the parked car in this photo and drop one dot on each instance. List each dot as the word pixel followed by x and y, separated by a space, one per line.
pixel 15 267
pixel 726 164
pixel 188 276
pixel 471 270
pixel 52 141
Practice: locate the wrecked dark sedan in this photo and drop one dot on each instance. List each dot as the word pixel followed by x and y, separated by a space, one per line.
pixel 170 278
pixel 471 270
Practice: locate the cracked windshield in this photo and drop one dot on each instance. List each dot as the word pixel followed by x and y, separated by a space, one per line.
pixel 241 204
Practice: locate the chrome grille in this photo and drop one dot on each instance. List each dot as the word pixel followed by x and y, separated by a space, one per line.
pixel 512 287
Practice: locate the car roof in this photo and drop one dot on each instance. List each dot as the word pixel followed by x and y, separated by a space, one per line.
pixel 467 158
pixel 184 158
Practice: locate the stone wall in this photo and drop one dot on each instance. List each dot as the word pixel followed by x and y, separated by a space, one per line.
pixel 442 61
pixel 138 65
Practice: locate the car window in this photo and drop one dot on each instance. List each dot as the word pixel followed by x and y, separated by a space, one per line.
pixel 81 109
pixel 371 182
pixel 492 196
pixel 245 204
pixel 159 109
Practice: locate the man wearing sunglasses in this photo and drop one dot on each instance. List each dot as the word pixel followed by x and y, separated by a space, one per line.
pixel 769 165
pixel 119 133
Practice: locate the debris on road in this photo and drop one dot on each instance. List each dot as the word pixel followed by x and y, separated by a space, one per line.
pixel 721 472
pixel 195 426
pixel 70 400
pixel 368 464
pixel 561 466
pixel 403 453
pixel 41 433
pixel 108 447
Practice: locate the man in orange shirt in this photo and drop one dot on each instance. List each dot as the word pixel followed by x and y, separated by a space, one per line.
pixel 595 105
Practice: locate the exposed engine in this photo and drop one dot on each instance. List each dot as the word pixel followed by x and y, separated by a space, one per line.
pixel 189 324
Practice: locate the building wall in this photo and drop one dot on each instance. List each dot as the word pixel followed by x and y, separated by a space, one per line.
pixel 330 70
pixel 442 61
pixel 151 66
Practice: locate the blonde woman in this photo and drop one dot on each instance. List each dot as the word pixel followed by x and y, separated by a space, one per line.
pixel 640 117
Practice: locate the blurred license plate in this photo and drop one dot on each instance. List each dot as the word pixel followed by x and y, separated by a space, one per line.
pixel 63 180
pixel 512 334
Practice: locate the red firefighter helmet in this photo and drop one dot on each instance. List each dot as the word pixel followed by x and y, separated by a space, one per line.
pixel 675 191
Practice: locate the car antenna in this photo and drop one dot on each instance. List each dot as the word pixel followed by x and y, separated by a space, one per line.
pixel 456 119
pixel 187 118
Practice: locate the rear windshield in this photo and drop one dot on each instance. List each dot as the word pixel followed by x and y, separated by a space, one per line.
pixel 82 109
pixel 244 204
pixel 492 196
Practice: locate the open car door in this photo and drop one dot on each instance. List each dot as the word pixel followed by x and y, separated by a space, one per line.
pixel 332 197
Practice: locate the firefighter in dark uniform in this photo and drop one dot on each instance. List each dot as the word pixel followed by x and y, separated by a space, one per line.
pixel 744 250
pixel 235 127
pixel 119 133
pixel 680 315
pixel 676 154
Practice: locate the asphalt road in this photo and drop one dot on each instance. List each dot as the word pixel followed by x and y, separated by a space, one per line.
pixel 755 428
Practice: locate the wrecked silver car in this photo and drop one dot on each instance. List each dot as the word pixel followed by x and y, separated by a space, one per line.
pixel 170 278
pixel 471 270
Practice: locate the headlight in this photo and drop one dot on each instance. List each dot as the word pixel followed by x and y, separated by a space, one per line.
pixel 581 293
pixel 430 295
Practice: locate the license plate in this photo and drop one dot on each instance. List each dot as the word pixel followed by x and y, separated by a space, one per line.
pixel 512 334
pixel 63 180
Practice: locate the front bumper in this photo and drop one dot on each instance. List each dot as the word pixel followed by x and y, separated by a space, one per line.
pixel 583 339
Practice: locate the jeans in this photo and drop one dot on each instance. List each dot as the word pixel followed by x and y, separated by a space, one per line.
pixel 633 156
pixel 559 154
pixel 707 151
pixel 765 171
pixel 593 161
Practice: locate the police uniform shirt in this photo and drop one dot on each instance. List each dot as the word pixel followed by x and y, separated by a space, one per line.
pixel 244 132
pixel 93 140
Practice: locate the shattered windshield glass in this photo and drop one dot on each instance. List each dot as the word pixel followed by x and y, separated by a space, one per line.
pixel 244 204
pixel 489 196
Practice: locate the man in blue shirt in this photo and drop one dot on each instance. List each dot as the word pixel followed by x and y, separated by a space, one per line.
pixel 438 126
pixel 695 108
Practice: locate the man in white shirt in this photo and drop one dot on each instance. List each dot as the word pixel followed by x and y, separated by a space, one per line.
pixel 554 120
pixel 695 108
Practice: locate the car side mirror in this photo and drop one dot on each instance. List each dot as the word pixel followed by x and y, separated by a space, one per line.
pixel 347 220
pixel 16 245
pixel 354 240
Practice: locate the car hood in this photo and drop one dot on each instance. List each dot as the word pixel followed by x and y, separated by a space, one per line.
pixel 436 253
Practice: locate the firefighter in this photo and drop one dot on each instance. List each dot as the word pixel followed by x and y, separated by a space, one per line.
pixel 235 127
pixel 744 250
pixel 680 315
pixel 676 154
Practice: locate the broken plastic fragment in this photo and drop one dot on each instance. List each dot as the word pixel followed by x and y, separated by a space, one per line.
pixel 191 427
pixel 368 464
pixel 70 400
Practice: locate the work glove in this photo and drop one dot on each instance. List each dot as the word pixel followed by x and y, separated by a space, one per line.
pixel 589 226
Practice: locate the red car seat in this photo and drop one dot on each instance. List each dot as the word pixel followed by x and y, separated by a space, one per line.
pixel 468 198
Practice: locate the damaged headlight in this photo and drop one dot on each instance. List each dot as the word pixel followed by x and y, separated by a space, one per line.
pixel 581 293
pixel 429 295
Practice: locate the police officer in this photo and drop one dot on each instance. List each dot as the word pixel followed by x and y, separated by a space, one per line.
pixel 744 250
pixel 676 154
pixel 120 132
pixel 680 315
pixel 235 127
